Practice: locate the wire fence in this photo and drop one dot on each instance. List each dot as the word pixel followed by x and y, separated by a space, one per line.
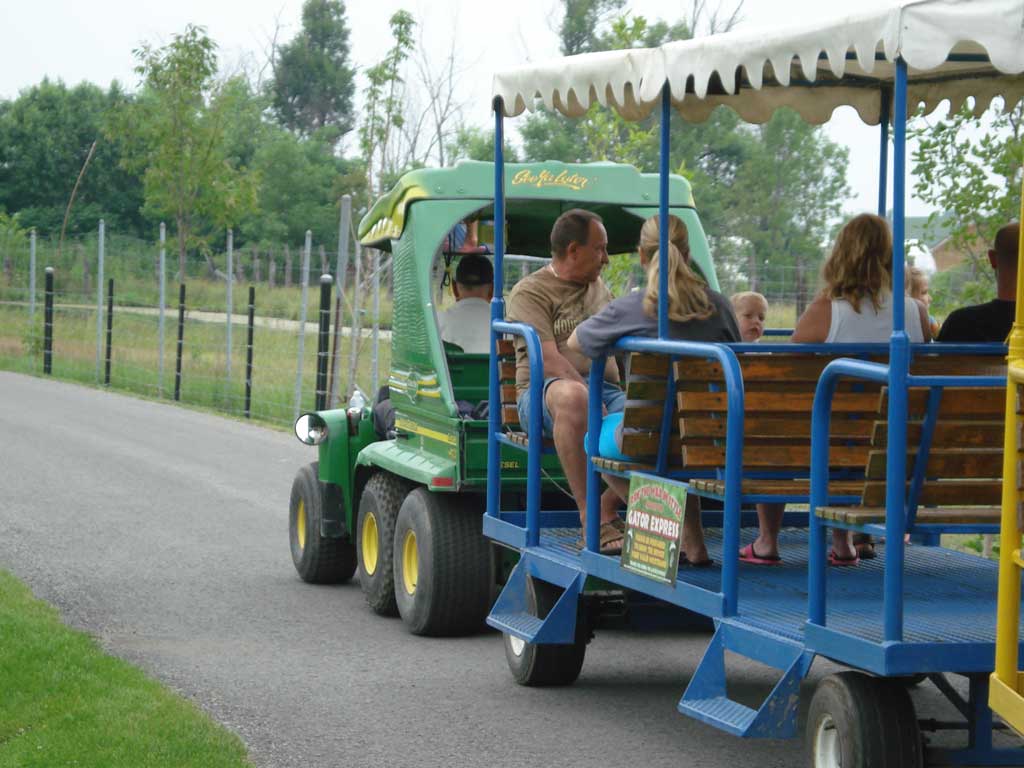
pixel 231 336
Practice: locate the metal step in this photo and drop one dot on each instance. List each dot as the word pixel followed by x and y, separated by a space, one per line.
pixel 521 625
pixel 721 712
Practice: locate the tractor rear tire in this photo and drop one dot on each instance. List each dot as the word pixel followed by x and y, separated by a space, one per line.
pixel 375 533
pixel 442 565
pixel 318 559
pixel 538 665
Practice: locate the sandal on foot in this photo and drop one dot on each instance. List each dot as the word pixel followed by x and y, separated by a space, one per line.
pixel 865 546
pixel 613 536
pixel 748 555
pixel 841 562
pixel 684 562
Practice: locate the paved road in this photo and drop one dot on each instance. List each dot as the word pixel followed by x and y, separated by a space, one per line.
pixel 163 532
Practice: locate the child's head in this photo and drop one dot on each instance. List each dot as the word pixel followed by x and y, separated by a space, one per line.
pixel 918 285
pixel 751 308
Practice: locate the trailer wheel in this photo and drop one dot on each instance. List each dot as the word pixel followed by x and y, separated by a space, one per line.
pixel 378 510
pixel 546 664
pixel 856 721
pixel 442 565
pixel 318 559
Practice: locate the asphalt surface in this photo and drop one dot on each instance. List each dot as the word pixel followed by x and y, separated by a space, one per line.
pixel 163 533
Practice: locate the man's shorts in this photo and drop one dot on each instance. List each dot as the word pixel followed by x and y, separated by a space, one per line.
pixel 612 395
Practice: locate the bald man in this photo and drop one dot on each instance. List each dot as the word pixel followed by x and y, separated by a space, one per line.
pixel 990 321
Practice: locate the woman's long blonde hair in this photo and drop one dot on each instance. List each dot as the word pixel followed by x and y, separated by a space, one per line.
pixel 687 296
pixel 860 265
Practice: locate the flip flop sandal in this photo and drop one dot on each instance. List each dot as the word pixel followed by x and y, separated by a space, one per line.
pixel 865 546
pixel 748 555
pixel 842 562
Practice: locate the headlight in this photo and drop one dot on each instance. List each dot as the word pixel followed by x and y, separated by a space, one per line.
pixel 310 429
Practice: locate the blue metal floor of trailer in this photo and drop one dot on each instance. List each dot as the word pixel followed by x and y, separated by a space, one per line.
pixel 949 609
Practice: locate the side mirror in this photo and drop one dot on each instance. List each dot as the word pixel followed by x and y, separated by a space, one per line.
pixel 310 429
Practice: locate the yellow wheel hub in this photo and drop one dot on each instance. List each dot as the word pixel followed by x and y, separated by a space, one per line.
pixel 410 563
pixel 371 544
pixel 300 524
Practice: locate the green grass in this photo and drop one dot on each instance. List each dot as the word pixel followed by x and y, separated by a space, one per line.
pixel 66 703
pixel 135 360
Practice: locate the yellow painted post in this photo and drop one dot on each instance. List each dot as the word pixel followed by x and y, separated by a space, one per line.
pixel 1006 686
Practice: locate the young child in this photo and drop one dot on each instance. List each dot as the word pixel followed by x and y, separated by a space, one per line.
pixel 751 308
pixel 918 288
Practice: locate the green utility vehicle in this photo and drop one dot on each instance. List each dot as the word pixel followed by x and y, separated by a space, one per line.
pixel 406 511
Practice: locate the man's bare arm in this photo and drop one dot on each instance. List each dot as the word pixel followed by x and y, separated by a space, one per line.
pixel 556 365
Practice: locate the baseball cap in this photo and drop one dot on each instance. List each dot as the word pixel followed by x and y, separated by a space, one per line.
pixel 474 269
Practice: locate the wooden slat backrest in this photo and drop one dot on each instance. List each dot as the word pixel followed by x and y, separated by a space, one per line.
pixel 507 383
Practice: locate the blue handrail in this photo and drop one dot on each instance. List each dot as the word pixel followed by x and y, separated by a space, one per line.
pixel 534 428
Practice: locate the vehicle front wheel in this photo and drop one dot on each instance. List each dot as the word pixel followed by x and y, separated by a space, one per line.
pixel 546 664
pixel 318 559
pixel 375 533
pixel 857 721
pixel 442 565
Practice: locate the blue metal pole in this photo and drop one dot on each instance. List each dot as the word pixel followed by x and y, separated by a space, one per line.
pixel 899 360
pixel 883 151
pixel 666 118
pixel 594 418
pixel 497 315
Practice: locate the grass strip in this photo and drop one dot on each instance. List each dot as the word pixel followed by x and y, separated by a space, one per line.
pixel 63 702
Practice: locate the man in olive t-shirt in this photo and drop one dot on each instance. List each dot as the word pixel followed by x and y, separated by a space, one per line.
pixel 554 300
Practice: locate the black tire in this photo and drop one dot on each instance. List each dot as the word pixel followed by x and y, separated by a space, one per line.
pixel 442 565
pixel 546 665
pixel 375 533
pixel 857 721
pixel 318 559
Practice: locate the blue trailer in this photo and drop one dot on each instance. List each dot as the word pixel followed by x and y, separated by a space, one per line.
pixel 888 439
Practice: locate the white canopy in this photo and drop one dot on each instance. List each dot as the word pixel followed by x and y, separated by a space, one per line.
pixel 953 48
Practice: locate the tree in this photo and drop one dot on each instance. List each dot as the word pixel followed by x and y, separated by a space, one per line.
pixel 789 189
pixel 473 143
pixel 313 83
pixel 175 133
pixel 45 136
pixel 974 177
pixel 384 104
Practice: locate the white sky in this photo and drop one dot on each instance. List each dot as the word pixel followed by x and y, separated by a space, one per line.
pixel 77 40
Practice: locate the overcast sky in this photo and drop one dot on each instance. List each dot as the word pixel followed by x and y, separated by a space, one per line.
pixel 76 40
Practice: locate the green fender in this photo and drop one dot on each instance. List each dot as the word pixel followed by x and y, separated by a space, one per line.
pixel 397 457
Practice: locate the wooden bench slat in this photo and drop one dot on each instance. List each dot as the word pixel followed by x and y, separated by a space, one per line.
pixel 506 348
pixel 770 402
pixel 956 403
pixel 945 462
pixel 956 492
pixel 790 456
pixel 949 515
pixel 963 433
pixel 506 371
pixel 509 415
pixel 755 427
pixel 780 487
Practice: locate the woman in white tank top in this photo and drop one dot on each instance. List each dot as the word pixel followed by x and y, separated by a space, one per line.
pixel 855 305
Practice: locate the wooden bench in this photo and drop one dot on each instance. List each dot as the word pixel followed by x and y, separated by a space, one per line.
pixel 779 392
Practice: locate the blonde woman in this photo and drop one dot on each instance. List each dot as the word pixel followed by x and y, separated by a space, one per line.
pixel 919 287
pixel 696 313
pixel 854 306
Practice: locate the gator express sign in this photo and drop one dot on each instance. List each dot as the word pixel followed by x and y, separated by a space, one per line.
pixel 654 527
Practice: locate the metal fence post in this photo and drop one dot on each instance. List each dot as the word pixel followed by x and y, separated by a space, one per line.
pixel 248 351
pixel 302 320
pixel 32 275
pixel 231 279
pixel 163 307
pixel 323 339
pixel 340 273
pixel 48 323
pixel 181 342
pixel 355 333
pixel 376 319
pixel 99 300
pixel 110 329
